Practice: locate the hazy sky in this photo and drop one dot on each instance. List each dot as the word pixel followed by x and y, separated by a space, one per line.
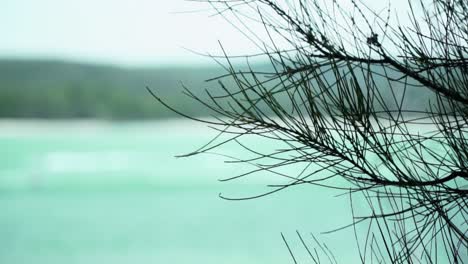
pixel 128 32
pixel 132 32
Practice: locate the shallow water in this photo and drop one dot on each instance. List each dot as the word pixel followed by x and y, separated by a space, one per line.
pixel 97 192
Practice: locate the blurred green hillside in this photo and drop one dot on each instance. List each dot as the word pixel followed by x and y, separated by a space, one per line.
pixel 53 89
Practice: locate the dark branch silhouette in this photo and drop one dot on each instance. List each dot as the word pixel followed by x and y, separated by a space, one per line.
pixel 352 94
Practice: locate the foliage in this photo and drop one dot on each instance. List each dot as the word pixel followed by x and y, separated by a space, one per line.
pixel 52 89
pixel 336 99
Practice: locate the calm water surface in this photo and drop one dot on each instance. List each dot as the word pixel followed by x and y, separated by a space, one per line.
pixel 96 192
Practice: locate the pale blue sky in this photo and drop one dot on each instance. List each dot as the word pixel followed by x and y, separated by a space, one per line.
pixel 129 32
pixel 126 32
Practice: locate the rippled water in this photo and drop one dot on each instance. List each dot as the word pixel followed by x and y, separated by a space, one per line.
pixel 96 192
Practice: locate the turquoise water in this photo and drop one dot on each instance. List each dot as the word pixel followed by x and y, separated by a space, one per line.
pixel 96 192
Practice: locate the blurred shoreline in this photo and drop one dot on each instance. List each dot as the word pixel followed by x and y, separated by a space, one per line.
pixel 69 90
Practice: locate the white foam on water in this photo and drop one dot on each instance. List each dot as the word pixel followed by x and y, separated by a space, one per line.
pixel 87 162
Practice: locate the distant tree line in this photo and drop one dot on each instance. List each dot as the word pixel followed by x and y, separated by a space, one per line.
pixel 51 89
pixel 75 100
